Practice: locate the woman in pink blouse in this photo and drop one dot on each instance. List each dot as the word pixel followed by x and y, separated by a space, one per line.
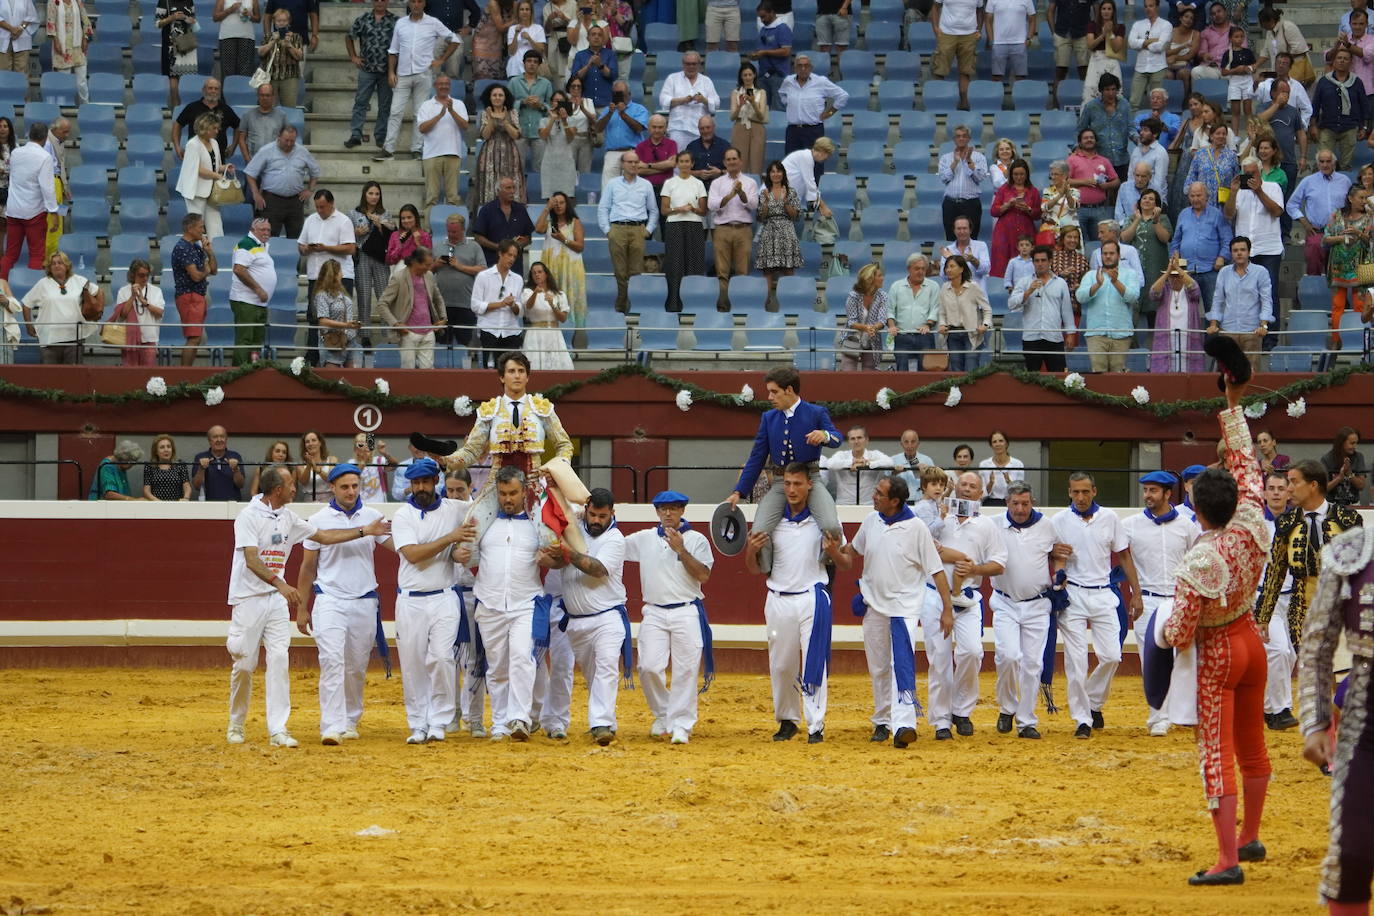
pixel 407 237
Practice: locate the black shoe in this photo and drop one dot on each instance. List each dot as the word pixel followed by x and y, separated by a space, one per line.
pixel 903 737
pixel 1004 722
pixel 786 730
pixel 963 725
pixel 1252 851
pixel 1028 731
pixel 880 734
pixel 1098 722
pixel 382 156
pixel 1232 875
pixel 380 141
pixel 942 734
pixel 1083 731
pixel 1282 721
pixel 1269 719
pixel 815 737
pixel 352 142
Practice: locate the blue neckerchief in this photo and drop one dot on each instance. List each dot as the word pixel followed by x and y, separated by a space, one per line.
pixel 522 515
pixel 1163 519
pixel 682 528
pixel 1092 510
pixel 437 503
pixel 800 517
pixel 901 516
pixel 539 624
pixel 1268 516
pixel 357 507
pixel 1035 516
pixel 1188 501
pixel 708 658
pixel 818 647
pixel 904 664
pixel 380 636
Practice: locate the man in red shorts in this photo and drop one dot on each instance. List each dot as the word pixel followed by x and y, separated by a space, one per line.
pixel 193 263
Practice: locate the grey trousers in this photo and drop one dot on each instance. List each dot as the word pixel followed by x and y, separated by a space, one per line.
pixel 770 508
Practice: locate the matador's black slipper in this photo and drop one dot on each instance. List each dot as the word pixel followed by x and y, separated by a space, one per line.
pixel 1231 359
pixel 1232 875
pixel 423 443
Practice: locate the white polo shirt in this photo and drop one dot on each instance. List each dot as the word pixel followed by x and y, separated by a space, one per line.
pixel 1255 223
pixel 508 579
pixel 898 559
pixel 416 44
pixel 977 537
pixel 346 570
pixel 337 230
pixel 409 526
pixel 798 560
pixel 251 255
pixel 272 533
pixel 1028 558
pixel 663 580
pixel 1010 20
pixel 444 138
pixel 583 594
pixel 1093 541
pixel 1157 549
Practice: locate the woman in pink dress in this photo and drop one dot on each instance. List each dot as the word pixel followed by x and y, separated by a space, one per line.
pixel 1016 206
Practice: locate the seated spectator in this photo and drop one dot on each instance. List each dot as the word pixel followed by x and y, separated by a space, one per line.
pixel 312 477
pixel 281 54
pixel 1168 121
pixel 1059 205
pixel 1142 177
pixel 1346 468
pixel 164 478
pixel 545 307
pixel 965 316
pixel 64 305
pixel 69 33
pixel 498 158
pixel 140 306
pixel 1016 207
pixel 260 125
pixel 1177 342
pixel 564 242
pixel 682 206
pixel 238 38
pixel 408 236
pixel 1184 43
pixel 974 252
pixel 217 472
pixel 211 102
pixel 278 452
pixel 112 476
pixel 733 200
pixel 865 321
pixel 337 315
pixel 777 250
pixel 558 132
pixel 1107 45
pixel 202 165
pixel 414 308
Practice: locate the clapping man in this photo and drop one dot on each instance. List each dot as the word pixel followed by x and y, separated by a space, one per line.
pixel 1047 307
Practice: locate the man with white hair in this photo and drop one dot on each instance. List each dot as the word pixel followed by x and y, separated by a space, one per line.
pixel 854 473
pixel 1159 101
pixel 689 95
pixel 1151 149
pixel 810 100
pixel 1142 180
pixel 1254 207
pixel 1109 230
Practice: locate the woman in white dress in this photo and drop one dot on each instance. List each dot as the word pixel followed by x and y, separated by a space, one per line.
pixel 524 35
pixel 999 471
pixel 66 305
pixel 558 167
pixel 201 166
pixel 545 307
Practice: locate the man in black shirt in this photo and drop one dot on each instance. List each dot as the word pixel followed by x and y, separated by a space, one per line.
pixel 212 103
pixel 1069 21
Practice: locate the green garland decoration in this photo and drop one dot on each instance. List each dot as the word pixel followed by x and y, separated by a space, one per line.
pixel 339 387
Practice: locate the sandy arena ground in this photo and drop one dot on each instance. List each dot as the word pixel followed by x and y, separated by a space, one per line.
pixel 120 796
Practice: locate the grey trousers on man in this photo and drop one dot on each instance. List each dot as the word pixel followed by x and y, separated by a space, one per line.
pixel 769 512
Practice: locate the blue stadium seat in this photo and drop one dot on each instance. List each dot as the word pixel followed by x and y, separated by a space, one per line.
pixel 839 192
pixel 99 149
pixel 91 220
pixel 902 65
pixel 937 95
pixel 600 292
pixel 14 87
pixel 606 330
pixel 859 92
pixel 895 95
pixel 1014 125
pixel 1043 152
pixel 147 59
pixel 747 294
pixel 660 37
pixel 882 40
pixel 714 331
pixel 125 248
pixel 837 290
pixel 89 184
pixel 145 151
pixel 926 223
pixel 136 182
pixel 723 67
pixel 596 256
pixel 106 56
pixel 46 112
pixel 1059 126
pixel 914 125
pixel 869 127
pixel 1214 89
pixel 894 259
pixel 997 297
pixel 1313 293
pixel 797 295
pixel 648 293
pixel 106 92
pixel 1354 336
pixel 138 215
pixel 885 190
pixel 911 158
pixel 658 332
pixel 238 92
pixel 880 224
pixel 697 295
pixel 920 39
pixel 866 157
pixel 984 95
pixel 144 119
pixel 811 255
pixel 58 87
pixel 1029 95
pixel 858 65
pixel 1070 92
pixel 386 357
pixel 765 331
pixel 93 120
pixel 1290 359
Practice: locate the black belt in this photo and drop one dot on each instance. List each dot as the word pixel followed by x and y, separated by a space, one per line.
pixel 1080 585
pixel 630 222
pixel 437 591
pixel 1154 594
pixel 1018 600
pixel 789 594
pixel 284 196
pixel 670 606
pixel 572 616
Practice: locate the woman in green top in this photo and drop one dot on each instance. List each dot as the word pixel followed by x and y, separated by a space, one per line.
pixel 1271 161
pixel 1347 237
pixel 112 477
pixel 1149 231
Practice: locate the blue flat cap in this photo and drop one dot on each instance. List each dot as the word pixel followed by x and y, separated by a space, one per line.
pixel 340 470
pixel 1193 470
pixel 422 467
pixel 668 497
pixel 1162 478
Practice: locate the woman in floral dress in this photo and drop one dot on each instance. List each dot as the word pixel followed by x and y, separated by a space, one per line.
pixel 1347 238
pixel 777 250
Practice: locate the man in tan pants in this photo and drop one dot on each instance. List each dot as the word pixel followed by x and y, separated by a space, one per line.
pixel 442 121
pixel 733 201
pixel 628 214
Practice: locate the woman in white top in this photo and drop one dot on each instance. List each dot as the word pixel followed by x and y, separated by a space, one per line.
pixel 61 301
pixel 524 35
pixel 1003 153
pixel 545 307
pixel 557 17
pixel 238 36
pixel 682 204
pixel 1000 470
pixel 584 125
pixel 312 477
pixel 10 310
pixel 201 166
pixel 558 166
pixel 140 305
pixel 371 483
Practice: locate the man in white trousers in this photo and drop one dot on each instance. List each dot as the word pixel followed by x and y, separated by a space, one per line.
pixel 900 556
pixel 551 709
pixel 1159 537
pixel 797 611
pixel 470 685
pixel 262 601
pixel 1021 606
pixel 971 549
pixel 342 581
pixel 507 584
pixel 594 620
pixel 674 562
pixel 1279 650
pixel 428 532
pixel 1089 539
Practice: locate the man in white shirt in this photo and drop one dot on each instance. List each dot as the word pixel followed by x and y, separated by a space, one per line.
pixel 255 279
pixel 32 200
pixel 674 562
pixel 442 120
pixel 471 676
pixel 1149 38
pixel 342 582
pixel 326 235
pixel 496 303
pixel 900 558
pixel 689 95
pixel 1255 208
pixel 262 601
pixel 797 611
pixel 802 167
pixel 971 549
pixel 1297 95
pixel 956 24
pixel 856 472
pixel 1159 537
pixel 427 531
pixel 1089 539
pixel 1021 609
pixel 411 66
pixel 1109 230
pixel 1009 25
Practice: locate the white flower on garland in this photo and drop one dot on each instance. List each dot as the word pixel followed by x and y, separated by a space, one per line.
pixel 1256 410
pixel 462 406
pixel 954 397
pixel 298 365
pixel 1297 408
pixel 745 396
pixel 156 386
pixel 214 396
pixel 1074 380
pixel 383 386
pixel 884 398
pixel 1141 394
pixel 684 400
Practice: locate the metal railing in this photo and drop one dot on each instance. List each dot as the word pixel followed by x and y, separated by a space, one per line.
pixel 72 462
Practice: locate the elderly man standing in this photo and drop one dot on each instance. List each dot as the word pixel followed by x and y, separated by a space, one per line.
pixel 1110 231
pixel 1202 238
pixel 657 153
pixel 628 215
pixel 809 100
pixel 913 313
pixel 32 200
pixel 1242 307
pixel 624 122
pixel 957 24
pixel 255 279
pixel 688 95
pixel 260 126
pixel 732 201
pixel 411 64
pixel 854 474
pixel 457 262
pixel 708 152
pixel 1105 297
pixel 373 31
pixel 503 218
pixel 962 171
pixel 211 102
pixel 1169 122
pixel 1142 180
pixel 1151 150
pixel 1047 325
pixel 281 177
pixel 1317 197
pixel 442 120
pixel 58 133
pixel 598 69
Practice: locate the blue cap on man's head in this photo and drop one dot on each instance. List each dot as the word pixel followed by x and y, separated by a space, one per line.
pixel 422 467
pixel 340 470
pixel 668 497
pixel 1161 478
pixel 1192 471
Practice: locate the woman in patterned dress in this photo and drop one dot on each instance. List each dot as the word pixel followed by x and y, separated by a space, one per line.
pixel 564 240
pixel 164 478
pixel 1058 205
pixel 488 40
pixel 499 156
pixel 176 17
pixel 1347 238
pixel 1068 261
pixel 373 227
pixel 777 250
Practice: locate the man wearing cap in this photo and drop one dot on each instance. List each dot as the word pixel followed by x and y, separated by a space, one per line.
pixel 797 611
pixel 1159 537
pixel 427 531
pixel 261 600
pixel 342 579
pixel 1279 649
pixel 674 562
pixel 794 430
pixel 1188 476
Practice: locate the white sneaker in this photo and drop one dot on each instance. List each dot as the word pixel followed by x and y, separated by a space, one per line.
pixel 416 737
pixel 331 739
pixel 350 735
pixel 234 735
pixel 1159 729
pixel 658 729
pixel 435 734
pixel 453 727
pixel 680 735
pixel 519 730
pixel 282 739
pixel 477 731
pixel 962 598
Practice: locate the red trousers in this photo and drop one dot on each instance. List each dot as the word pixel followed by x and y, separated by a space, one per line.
pixel 1230 705
pixel 17 232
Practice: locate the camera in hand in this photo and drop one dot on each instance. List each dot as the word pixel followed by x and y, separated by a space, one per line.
pixel 564 108
pixel 617 96
pixel 1248 183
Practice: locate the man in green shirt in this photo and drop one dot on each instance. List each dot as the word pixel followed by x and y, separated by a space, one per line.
pixel 530 93
pixel 913 312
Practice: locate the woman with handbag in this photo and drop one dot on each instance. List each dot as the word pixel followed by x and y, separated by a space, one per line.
pixel 777 250
pixel 177 20
pixel 1217 164
pixel 282 53
pixel 1347 240
pixel 1280 36
pixel 749 114
pixel 202 165
pixel 338 317
pixel 866 317
pixel 64 304
pixel 139 307
pixel 373 227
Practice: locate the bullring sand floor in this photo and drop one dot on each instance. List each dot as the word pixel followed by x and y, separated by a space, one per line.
pixel 120 796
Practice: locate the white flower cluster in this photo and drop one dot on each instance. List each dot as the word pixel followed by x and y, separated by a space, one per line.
pixel 214 396
pixel 1297 408
pixel 1074 380
pixel 1141 394
pixel 954 397
pixel 884 398
pixel 684 400
pixel 156 386
pixel 382 385
pixel 1256 410
pixel 462 406
pixel 298 365
pixel 745 396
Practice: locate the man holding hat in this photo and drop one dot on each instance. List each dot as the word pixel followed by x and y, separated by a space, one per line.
pixel 342 580
pixel 427 531
pixel 674 562
pixel 797 611
pixel 1159 537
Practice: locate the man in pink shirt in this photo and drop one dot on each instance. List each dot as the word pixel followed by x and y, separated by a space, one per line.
pixel 1216 38
pixel 658 152
pixel 1095 179
pixel 732 202
pixel 1360 44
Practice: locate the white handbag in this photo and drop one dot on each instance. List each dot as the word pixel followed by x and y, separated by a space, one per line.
pixel 263 75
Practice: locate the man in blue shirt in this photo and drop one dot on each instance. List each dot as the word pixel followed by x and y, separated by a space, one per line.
pixel 1341 109
pixel 1105 297
pixel 1243 305
pixel 774 55
pixel 218 471
pixel 1317 197
pixel 595 65
pixel 623 123
pixel 627 215
pixel 1047 327
pixel 1202 237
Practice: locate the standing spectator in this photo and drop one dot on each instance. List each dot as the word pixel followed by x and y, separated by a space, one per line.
pixel 497 304
pixel 58 133
pixel 64 304
pixel 1107 42
pixel 774 53
pixel 237 36
pixel 260 125
pixel 627 216
pixel 326 235
pixel 1016 206
pixel 1128 195
pixel 337 314
pixel 20 19
pixel 218 471
pixel 1095 178
pixel 1203 238
pixel 1106 296
pixel 139 306
pixel 312 476
pixel 777 252
pixel 1000 470
pixel 175 19
pixel 558 15
pixel 545 308
pixel 281 177
pixel 1238 68
pixel 965 316
pixel 1215 39
pixel 164 478
pixel 913 312
pixel 657 152
pixel 1341 110
pixel 255 280
pixel 708 152
pixel 373 31
pixel 558 132
pixel 722 20
pixel 1059 205
pixel 733 201
pixel 809 101
pixel 1150 230
pixel 305 19
pixel 193 264
pixel 963 170
pixel 498 159
pixel 1004 153
pixel 803 169
pixel 1109 118
pixel 1288 146
pixel 1110 231
pixel 832 27
pixel 372 487
pixel 530 93
pixel 1242 308
pixel 500 219
pixel 1177 344
pixel 749 114
pixel 598 69
pixel 1360 43
pixel 1253 207
pixel 372 229
pixel 32 200
pixel 689 18
pixel 624 125
pixel 1346 469
pixel 1150 39
pixel 414 308
pixel 1347 238
pixel 281 54
pixel 411 65
pixel 112 475
pixel 442 121
pixel 974 252
pixel 523 36
pixel 457 262
pixel 1010 24
pixel 211 102
pixel 682 205
pixel 70 33
pixel 1317 197
pixel 866 318
pixel 1152 151
pixel 1068 262
pixel 7 147
pixel 1069 20
pixel 1282 36
pixel 488 40
pixel 853 474
pixel 1047 323
pixel 1298 97
pixel 688 95
pixel 956 24
pixel 564 242
pixel 584 115
pixel 202 165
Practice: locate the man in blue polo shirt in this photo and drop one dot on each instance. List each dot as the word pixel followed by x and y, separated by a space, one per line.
pixel 624 122
pixel 774 55
pixel 218 472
